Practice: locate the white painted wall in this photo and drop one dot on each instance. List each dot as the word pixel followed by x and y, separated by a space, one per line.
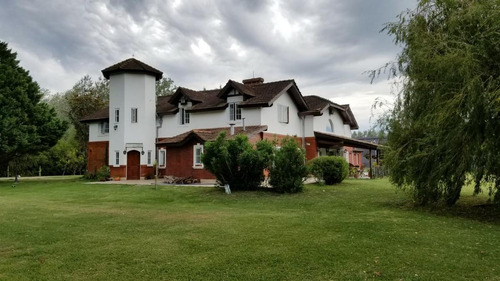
pixel 269 116
pixel 208 119
pixel 129 91
pixel 321 123
pixel 95 133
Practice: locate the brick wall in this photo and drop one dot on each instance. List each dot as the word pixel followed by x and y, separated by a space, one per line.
pixel 180 163
pixel 97 155
pixel 310 147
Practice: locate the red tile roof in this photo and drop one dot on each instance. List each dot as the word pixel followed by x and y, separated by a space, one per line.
pixel 204 135
pixel 131 66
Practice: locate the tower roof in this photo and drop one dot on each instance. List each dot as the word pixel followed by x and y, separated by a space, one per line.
pixel 132 65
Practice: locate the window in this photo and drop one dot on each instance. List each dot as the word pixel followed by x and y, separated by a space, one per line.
pixel 184 116
pixel 149 157
pixel 117 158
pixel 283 111
pixel 234 112
pixel 329 127
pixel 134 115
pixel 197 152
pixel 117 115
pixel 162 158
pixel 104 127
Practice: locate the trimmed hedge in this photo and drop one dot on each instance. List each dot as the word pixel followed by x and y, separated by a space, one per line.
pixel 330 169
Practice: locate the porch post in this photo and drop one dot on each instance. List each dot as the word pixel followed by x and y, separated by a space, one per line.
pixel 378 162
pixel 371 171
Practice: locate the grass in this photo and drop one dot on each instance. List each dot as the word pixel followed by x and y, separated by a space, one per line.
pixel 358 230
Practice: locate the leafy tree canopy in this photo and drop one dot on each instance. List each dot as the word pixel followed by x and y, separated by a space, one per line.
pixel 445 125
pixel 165 87
pixel 84 98
pixel 27 125
pixel 371 133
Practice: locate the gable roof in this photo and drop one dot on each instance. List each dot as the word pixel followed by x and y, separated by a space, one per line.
pixel 267 93
pixel 202 100
pixel 318 104
pixel 132 65
pixel 203 135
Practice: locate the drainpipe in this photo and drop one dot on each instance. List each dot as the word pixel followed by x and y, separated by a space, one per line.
pixel 303 131
pixel 243 119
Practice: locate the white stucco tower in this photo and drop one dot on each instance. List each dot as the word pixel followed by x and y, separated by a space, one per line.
pixel 132 118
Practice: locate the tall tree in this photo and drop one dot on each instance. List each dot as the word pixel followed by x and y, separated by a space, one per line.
pixel 165 87
pixel 84 98
pixel 27 125
pixel 445 125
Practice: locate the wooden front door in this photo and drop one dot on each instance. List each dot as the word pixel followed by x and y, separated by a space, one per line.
pixel 133 165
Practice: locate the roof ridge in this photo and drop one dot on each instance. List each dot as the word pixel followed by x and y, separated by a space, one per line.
pixel 273 82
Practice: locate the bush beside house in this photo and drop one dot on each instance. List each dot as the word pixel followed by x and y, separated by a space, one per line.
pixel 241 165
pixel 288 169
pixel 330 169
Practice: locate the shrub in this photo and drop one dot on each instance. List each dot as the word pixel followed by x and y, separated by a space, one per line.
pixel 103 173
pixel 288 169
pixel 235 162
pixel 330 169
pixel 90 176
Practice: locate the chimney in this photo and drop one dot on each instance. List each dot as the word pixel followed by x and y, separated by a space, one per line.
pixel 231 131
pixel 253 81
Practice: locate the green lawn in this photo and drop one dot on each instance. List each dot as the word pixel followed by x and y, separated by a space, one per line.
pixel 360 229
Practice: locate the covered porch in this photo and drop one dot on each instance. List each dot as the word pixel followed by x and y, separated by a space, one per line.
pixel 333 144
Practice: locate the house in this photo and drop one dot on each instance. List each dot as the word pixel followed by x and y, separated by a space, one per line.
pixel 137 128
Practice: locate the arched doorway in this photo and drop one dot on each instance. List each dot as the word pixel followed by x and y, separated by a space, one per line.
pixel 133 165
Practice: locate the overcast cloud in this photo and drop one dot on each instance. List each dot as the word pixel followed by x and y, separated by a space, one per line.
pixel 324 45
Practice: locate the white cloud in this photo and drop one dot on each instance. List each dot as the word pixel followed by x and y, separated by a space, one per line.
pixel 324 45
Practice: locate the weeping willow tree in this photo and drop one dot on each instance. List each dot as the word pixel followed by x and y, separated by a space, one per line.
pixel 445 124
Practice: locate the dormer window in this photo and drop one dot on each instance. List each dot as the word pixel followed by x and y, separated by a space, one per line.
pixel 184 100
pixel 233 93
pixel 184 117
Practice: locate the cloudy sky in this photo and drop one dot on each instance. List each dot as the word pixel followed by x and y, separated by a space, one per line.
pixel 324 45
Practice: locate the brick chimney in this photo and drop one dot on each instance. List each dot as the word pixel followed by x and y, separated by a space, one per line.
pixel 253 81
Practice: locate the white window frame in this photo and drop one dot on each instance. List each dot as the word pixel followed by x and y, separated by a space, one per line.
pixel 104 127
pixel 162 158
pixel 184 117
pixel 283 113
pixel 117 159
pixel 117 115
pixel 150 158
pixel 133 115
pixel 197 164
pixel 234 112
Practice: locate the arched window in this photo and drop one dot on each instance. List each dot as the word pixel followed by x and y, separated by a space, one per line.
pixel 330 128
